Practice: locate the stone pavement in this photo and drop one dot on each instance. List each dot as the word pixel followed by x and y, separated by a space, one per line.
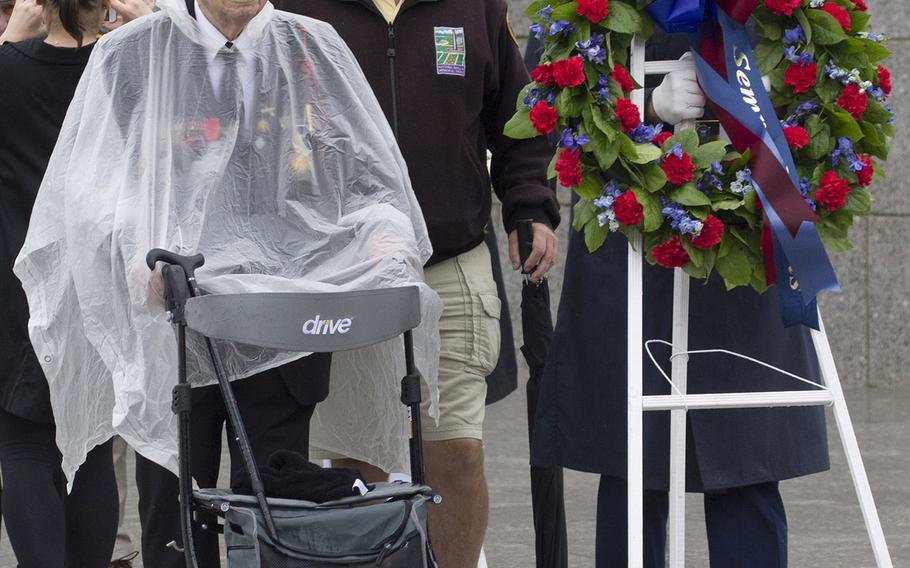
pixel 825 521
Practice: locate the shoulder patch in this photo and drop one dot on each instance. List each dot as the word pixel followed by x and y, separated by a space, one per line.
pixel 450 51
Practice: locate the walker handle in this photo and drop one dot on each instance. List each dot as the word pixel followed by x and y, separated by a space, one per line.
pixel 189 264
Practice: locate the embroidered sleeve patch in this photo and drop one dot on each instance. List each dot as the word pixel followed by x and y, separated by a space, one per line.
pixel 450 51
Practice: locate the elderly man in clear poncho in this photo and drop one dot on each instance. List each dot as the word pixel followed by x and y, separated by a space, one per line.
pixel 249 135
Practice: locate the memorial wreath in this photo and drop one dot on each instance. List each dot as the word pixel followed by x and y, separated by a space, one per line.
pixel 716 206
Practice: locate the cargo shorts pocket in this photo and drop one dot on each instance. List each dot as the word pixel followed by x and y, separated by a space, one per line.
pixel 487 335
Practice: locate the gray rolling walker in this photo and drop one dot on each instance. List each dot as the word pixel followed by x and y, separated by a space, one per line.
pixel 387 527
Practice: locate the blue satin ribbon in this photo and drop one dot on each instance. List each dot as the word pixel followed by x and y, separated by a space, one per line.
pixel 802 265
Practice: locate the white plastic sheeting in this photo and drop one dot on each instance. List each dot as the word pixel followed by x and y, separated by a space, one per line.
pixel 296 184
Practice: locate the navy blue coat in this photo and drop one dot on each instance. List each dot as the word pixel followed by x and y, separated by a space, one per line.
pixel 581 420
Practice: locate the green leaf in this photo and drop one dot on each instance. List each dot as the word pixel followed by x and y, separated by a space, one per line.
pixel 828 90
pixel 736 265
pixel 819 137
pixel 589 188
pixel 604 150
pixel 768 54
pixel 842 124
pixel 825 29
pixel 726 204
pixel 623 18
pixel 519 126
pixel 551 169
pixel 688 194
pixel 567 11
pixel 595 235
pixel 834 237
pixel 650 208
pixel 859 20
pixel 804 24
pixel 602 123
pixel 875 112
pixel 769 23
pixel 531 10
pixel 643 153
pixel 569 104
pixel 583 212
pixel 687 138
pixel 859 201
pixel 874 51
pixel 707 154
pixel 653 177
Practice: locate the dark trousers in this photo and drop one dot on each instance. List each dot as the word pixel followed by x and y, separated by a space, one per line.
pixel 274 419
pixel 47 527
pixel 746 526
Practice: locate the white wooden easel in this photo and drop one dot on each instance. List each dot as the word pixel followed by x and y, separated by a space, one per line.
pixel 678 404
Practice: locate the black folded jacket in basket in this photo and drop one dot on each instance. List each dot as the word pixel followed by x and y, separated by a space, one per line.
pixel 289 475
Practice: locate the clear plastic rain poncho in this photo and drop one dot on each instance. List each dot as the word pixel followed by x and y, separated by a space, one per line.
pixel 285 175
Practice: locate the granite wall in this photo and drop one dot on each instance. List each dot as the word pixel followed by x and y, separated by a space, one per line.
pixel 869 323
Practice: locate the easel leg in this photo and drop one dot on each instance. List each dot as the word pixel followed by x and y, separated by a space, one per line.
pixel 678 421
pixel 831 380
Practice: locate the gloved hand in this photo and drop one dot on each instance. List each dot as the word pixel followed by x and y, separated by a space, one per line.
pixel 678 97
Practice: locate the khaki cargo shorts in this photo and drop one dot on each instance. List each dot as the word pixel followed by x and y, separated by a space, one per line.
pixel 469 334
pixel 469 347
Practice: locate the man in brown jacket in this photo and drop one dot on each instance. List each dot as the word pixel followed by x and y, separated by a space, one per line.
pixel 447 74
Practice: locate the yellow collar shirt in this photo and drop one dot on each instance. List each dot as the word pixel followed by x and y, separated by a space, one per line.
pixel 389 8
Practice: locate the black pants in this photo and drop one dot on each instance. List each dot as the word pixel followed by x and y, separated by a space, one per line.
pixel 274 419
pixel 47 527
pixel 746 526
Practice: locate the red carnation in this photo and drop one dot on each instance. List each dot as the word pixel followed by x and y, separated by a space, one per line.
pixel 621 76
pixel 594 10
pixel 864 176
pixel 853 100
pixel 543 117
pixel 670 254
pixel 711 231
pixel 841 15
pixel 662 137
pixel 860 5
pixel 628 210
pixel 797 136
pixel 884 79
pixel 543 74
pixel 832 193
pixel 800 77
pixel 679 170
pixel 569 72
pixel 628 114
pixel 568 166
pixel 782 7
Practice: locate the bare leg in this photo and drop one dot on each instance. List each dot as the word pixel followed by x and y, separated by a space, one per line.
pixel 457 526
pixel 370 473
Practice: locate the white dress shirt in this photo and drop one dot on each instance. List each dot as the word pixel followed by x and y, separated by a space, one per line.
pixel 214 41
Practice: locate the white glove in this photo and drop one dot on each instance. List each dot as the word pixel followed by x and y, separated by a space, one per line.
pixel 679 97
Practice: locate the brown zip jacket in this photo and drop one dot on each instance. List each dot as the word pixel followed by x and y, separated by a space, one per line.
pixel 447 73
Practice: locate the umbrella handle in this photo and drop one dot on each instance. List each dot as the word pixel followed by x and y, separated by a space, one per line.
pixel 525 241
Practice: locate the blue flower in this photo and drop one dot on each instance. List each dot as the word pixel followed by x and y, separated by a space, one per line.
pixel 646 132
pixel 805 188
pixel 593 49
pixel 676 150
pixel 537 30
pixel 571 140
pixel 544 13
pixel 561 27
pixel 679 220
pixel 794 35
pixel 743 182
pixel 844 150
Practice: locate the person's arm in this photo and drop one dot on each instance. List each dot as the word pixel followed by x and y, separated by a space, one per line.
pixel 519 167
pixel 25 22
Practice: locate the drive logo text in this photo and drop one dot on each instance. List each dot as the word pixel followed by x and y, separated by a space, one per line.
pixel 319 326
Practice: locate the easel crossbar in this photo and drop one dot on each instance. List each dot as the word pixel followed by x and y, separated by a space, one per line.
pixel 773 399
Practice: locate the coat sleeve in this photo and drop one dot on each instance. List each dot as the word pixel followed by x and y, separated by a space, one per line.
pixel 519 167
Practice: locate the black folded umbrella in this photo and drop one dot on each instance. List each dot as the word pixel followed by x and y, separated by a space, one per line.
pixel 546 482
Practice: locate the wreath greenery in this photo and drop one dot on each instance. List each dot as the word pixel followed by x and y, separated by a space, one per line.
pixel 695 203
